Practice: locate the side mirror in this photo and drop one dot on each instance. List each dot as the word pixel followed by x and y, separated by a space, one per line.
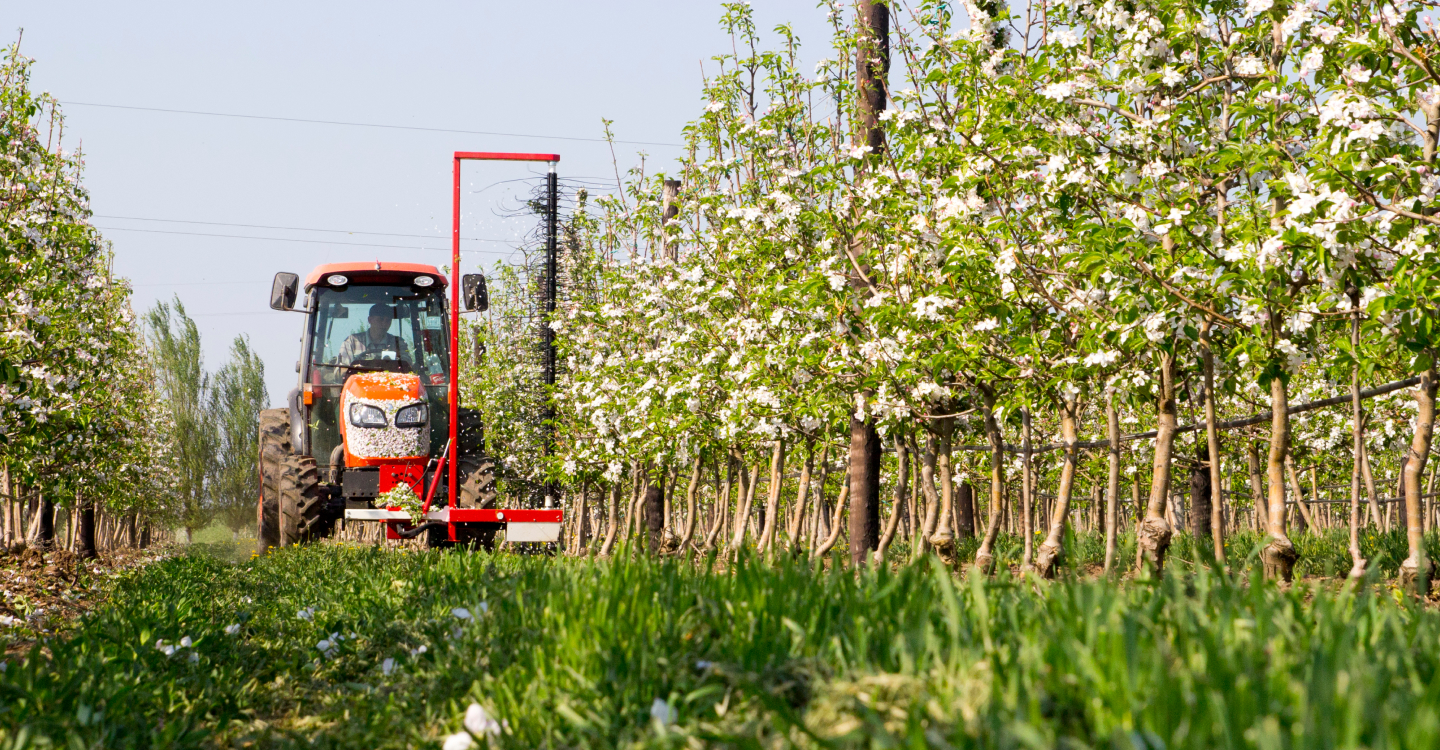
pixel 284 291
pixel 477 297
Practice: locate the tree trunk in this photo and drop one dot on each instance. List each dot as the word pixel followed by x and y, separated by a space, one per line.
pixel 927 461
pixel 1279 555
pixel 1112 487
pixel 1027 493
pixel 864 490
pixel 654 510
pixel 722 504
pixel 45 523
pixel 772 500
pixel 85 530
pixel 632 507
pixel 1047 562
pixel 1372 497
pixel 7 503
pixel 612 522
pixel 742 505
pixel 573 529
pixel 943 538
pixel 835 527
pixel 872 65
pixel 1200 499
pixel 692 497
pixel 1153 532
pixel 796 526
pixel 1257 484
pixel 1415 570
pixel 1307 519
pixel 902 486
pixel 985 554
pixel 1212 448
pixel 965 511
pixel 667 530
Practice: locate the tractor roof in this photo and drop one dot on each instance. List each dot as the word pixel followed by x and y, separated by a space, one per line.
pixel 364 271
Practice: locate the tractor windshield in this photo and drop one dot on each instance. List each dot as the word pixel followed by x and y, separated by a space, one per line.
pixel 365 327
pixel 378 327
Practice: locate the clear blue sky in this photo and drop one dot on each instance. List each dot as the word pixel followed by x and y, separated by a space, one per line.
pixel 551 69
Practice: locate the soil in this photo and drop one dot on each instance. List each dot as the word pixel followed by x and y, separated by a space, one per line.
pixel 43 592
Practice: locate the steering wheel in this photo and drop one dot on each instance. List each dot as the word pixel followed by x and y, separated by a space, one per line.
pixel 381 365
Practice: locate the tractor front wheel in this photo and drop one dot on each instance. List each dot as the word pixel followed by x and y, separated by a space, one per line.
pixel 274 447
pixel 302 506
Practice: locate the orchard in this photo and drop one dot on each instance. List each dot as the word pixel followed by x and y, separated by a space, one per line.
pixel 1044 375
pixel 1026 260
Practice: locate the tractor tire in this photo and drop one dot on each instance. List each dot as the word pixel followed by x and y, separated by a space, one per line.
pixel 476 490
pixel 477 482
pixel 302 506
pixel 274 447
pixel 470 442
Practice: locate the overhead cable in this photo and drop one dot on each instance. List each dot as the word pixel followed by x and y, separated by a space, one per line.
pixel 299 229
pixel 365 124
pixel 288 239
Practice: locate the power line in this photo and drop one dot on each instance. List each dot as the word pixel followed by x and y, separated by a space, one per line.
pixel 299 229
pixel 366 124
pixel 287 239
pixel 228 314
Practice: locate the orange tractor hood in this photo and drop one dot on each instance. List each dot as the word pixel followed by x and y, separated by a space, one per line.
pixel 389 392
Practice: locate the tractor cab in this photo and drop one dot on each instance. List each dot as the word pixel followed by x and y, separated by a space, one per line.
pixel 372 410
pixel 372 318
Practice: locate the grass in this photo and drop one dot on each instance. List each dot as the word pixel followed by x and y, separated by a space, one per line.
pixel 576 653
pixel 1322 554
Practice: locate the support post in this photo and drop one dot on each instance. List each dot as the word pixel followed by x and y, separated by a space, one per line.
pixel 552 263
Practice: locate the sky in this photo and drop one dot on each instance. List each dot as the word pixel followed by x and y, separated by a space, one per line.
pixel 286 195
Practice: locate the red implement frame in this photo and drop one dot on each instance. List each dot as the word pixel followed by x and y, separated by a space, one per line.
pixel 461 156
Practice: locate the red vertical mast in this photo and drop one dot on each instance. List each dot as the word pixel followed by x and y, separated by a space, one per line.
pixel 455 303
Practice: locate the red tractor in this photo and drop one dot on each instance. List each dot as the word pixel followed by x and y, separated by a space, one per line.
pixel 378 405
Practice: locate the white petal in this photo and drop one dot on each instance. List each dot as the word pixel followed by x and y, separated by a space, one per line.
pixel 458 741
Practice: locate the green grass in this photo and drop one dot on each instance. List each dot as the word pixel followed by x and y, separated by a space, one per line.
pixel 574 653
pixel 1322 554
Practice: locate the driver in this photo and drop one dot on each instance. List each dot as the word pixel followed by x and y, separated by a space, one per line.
pixel 372 343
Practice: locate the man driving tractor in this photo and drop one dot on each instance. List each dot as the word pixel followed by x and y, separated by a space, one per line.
pixel 374 342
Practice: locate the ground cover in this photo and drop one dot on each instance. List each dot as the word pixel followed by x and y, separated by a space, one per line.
pixel 44 592
pixel 341 646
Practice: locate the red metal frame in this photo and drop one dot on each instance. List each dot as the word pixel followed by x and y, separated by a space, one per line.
pixel 500 515
pixel 461 156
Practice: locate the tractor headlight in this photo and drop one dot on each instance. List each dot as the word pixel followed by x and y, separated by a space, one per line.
pixel 365 415
pixel 414 415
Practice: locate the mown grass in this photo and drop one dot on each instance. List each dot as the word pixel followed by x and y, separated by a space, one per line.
pixel 575 653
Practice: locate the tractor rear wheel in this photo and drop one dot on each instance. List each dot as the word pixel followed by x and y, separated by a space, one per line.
pixel 302 507
pixel 477 490
pixel 274 447
pixel 477 482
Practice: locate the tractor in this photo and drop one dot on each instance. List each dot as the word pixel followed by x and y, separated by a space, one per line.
pixel 378 405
